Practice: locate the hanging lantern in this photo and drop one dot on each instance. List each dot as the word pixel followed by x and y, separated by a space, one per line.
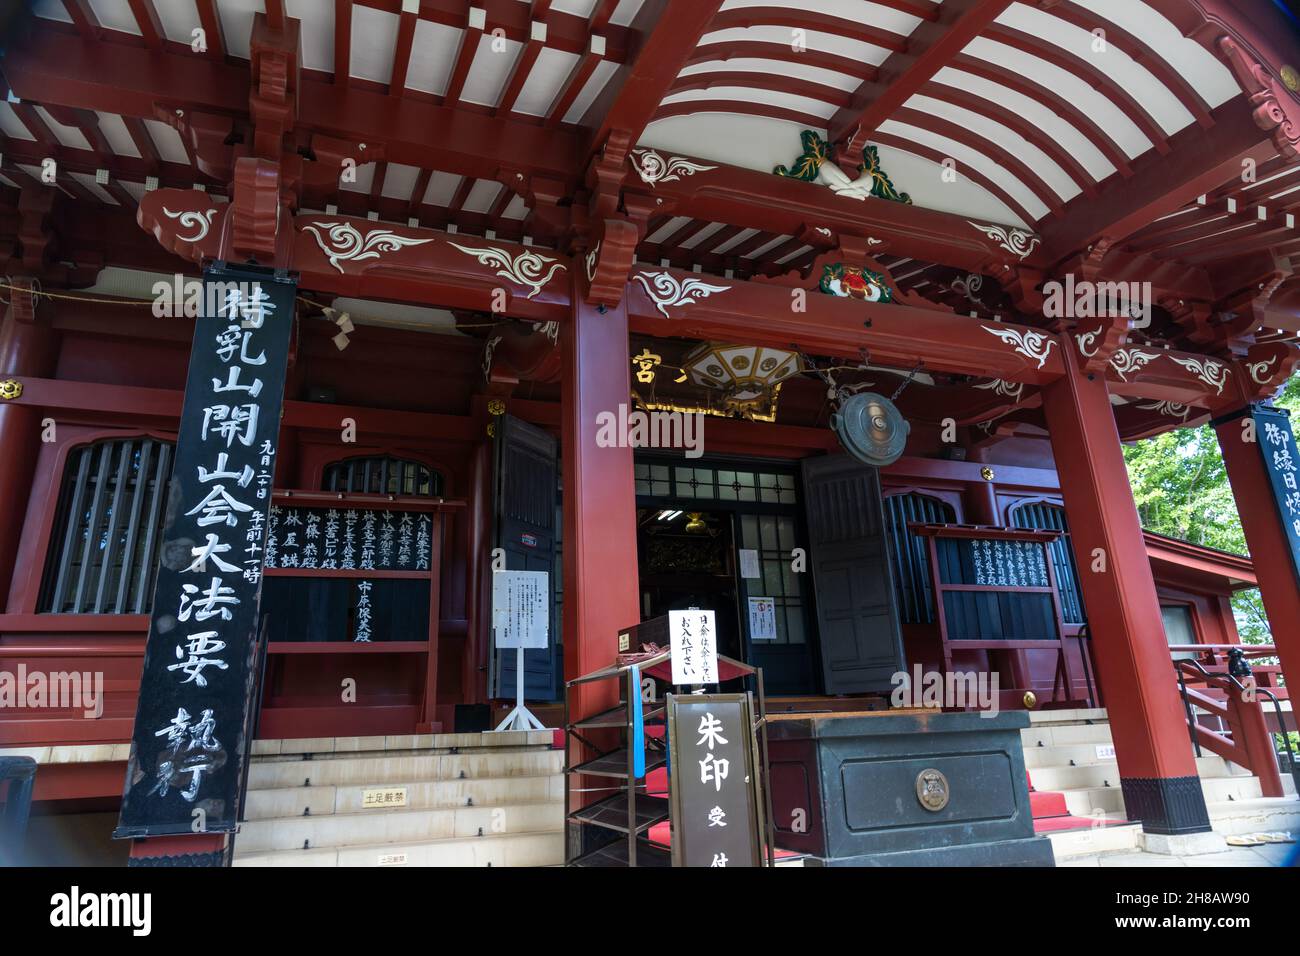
pixel 746 375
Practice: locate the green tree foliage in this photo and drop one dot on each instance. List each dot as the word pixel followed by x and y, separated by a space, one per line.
pixel 1181 489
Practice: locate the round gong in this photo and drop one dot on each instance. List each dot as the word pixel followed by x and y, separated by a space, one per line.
pixel 871 429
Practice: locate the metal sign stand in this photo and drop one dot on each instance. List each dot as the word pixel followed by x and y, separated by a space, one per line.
pixel 521 718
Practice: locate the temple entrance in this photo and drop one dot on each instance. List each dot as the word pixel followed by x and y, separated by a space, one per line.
pixel 723 535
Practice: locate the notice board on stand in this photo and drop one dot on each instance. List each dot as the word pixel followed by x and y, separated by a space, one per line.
pixel 995 590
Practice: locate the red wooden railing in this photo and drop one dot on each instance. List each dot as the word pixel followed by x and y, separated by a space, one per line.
pixel 1238 701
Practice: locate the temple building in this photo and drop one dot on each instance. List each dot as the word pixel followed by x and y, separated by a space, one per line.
pixel 830 318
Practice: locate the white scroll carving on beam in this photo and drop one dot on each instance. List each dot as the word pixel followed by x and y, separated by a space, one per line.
pixel 199 221
pixel 526 268
pixel 653 168
pixel 1028 342
pixel 1259 371
pixel 343 243
pixel 1018 242
pixel 1207 370
pixel 1172 409
pixel 1002 387
pixel 665 291
pixel 1130 360
pixel 1088 342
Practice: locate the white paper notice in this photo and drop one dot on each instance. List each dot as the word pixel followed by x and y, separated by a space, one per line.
pixel 762 619
pixel 749 563
pixel 694 647
pixel 521 605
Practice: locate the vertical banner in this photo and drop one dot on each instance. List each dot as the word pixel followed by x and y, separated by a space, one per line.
pixel 187 750
pixel 1277 444
pixel 713 787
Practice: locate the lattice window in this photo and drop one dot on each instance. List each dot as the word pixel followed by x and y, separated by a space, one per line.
pixel 382 476
pixel 1044 515
pixel 103 555
pixel 909 554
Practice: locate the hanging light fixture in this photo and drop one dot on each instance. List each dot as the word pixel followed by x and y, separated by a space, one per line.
pixel 746 375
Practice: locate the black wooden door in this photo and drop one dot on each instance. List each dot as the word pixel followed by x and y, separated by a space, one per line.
pixel 861 642
pixel 524 516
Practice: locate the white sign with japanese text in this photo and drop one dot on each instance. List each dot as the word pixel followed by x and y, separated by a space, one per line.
pixel 762 619
pixel 694 646
pixel 521 609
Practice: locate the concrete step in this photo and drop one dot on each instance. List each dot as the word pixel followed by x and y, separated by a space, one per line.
pixel 389 768
pixel 1059 755
pixel 391 826
pixel 1075 716
pixel 1111 839
pixel 1104 802
pixel 503 849
pixel 1061 776
pixel 1091 801
pixel 323 747
pixel 1258 815
pixel 1052 735
pixel 420 794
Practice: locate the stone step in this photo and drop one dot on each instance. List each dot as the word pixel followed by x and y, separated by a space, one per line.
pixel 499 849
pixel 1091 840
pixel 1065 735
pixel 1074 716
pixel 420 794
pixel 1061 776
pixel 1058 755
pixel 1092 801
pixel 386 768
pixel 1102 802
pixel 1258 815
pixel 320 747
pixel 391 826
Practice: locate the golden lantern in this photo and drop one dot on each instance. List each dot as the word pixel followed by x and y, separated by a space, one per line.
pixel 746 375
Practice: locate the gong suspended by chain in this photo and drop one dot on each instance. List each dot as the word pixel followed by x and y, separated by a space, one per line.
pixel 871 428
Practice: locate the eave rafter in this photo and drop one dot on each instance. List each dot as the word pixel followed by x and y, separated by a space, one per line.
pixel 946 30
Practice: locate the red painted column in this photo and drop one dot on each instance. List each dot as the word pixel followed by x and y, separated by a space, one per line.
pixel 28 347
pixel 1156 767
pixel 1269 548
pixel 600 562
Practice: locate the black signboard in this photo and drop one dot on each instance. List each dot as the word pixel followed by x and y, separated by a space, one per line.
pixel 1277 444
pixel 347 539
pixel 333 609
pixel 992 562
pixel 187 750
pixel 713 785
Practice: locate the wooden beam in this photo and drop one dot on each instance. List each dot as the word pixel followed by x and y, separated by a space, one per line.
pixel 1199 160
pixel 929 49
pixel 342 41
pixel 61 68
pixel 668 31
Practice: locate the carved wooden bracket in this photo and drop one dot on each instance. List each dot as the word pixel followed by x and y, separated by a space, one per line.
pixel 607 263
pixel 1096 340
pixel 273 98
pixel 1275 110
pixel 1265 368
pixel 255 208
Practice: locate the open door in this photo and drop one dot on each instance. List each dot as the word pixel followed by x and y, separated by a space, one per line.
pixel 861 641
pixel 525 483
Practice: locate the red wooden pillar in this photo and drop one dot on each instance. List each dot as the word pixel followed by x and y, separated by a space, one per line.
pixel 27 348
pixel 600 563
pixel 1156 767
pixel 1266 539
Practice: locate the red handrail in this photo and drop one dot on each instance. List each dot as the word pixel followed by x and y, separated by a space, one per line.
pixel 1250 744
